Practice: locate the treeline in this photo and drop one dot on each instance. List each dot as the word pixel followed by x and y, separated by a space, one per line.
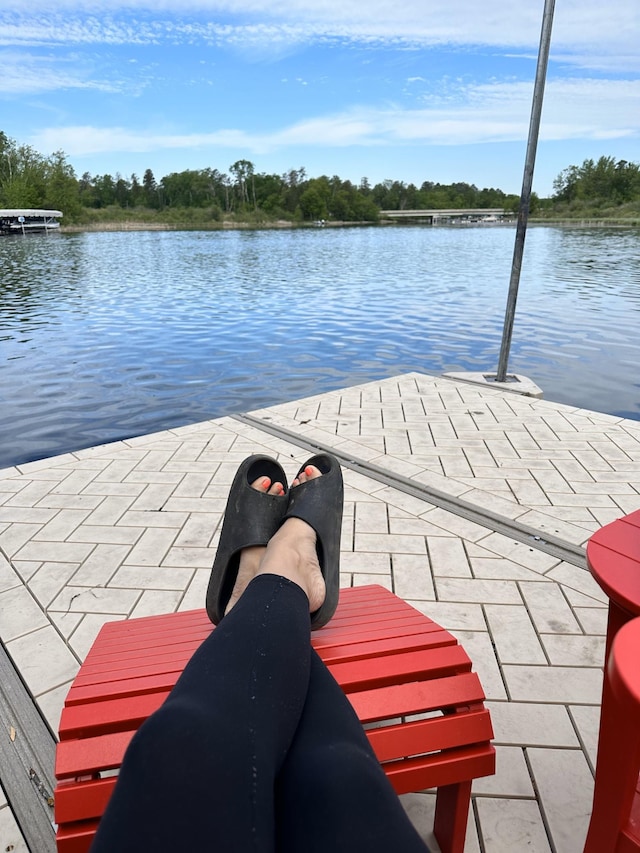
pixel 29 179
pixel 607 181
pixel 292 194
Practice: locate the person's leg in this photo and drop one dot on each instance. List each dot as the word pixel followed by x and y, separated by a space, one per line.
pixel 332 793
pixel 200 772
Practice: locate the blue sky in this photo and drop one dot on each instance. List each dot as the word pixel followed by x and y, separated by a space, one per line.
pixel 411 90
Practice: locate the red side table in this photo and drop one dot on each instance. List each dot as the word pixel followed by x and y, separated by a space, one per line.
pixel 613 557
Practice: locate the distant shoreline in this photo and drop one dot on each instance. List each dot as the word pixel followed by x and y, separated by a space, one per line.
pixel 283 224
pixel 133 225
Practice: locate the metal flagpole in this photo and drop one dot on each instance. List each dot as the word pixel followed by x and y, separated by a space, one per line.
pixel 527 180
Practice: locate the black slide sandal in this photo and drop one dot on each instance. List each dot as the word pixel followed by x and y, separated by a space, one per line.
pixel 319 502
pixel 251 518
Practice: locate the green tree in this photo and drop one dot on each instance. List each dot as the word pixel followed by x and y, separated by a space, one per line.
pixel 150 193
pixel 606 181
pixel 22 175
pixel 136 191
pixel 243 171
pixel 62 190
pixel 105 190
pixel 294 182
pixel 87 191
pixel 270 193
pixel 122 191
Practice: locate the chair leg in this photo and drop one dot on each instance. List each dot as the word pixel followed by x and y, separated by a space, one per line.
pixel 452 810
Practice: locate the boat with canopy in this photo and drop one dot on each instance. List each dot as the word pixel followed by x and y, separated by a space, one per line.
pixel 28 221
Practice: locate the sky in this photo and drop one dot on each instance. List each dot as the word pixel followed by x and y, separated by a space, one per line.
pixel 408 90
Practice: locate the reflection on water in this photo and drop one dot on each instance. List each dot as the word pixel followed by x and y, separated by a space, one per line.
pixel 110 335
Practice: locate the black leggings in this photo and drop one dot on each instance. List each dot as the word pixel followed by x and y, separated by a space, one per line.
pixel 255 749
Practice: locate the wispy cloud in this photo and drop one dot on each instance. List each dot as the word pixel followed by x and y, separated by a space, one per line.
pixel 489 113
pixel 28 73
pixel 582 28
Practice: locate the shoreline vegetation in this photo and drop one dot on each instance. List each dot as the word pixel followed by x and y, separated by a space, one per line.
pixel 604 192
pixel 141 225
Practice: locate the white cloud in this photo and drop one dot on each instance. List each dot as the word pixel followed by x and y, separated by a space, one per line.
pixel 574 109
pixel 582 28
pixel 26 73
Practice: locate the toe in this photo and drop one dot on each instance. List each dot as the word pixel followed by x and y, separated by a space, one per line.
pixel 262 484
pixel 308 473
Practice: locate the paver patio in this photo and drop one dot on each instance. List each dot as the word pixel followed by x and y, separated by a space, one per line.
pixel 130 529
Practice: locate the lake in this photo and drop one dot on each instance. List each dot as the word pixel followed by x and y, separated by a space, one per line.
pixel 109 335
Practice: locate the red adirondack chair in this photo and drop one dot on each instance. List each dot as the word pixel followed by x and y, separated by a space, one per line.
pixel 394 663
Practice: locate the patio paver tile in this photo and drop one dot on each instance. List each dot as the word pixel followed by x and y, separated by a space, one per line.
pixel 12 838
pixel 587 720
pixel 16 536
pixel 448 557
pixel 549 609
pixel 351 561
pixel 452 616
pixel 579 599
pixel 152 577
pixel 362 579
pixel 511 778
pixel 51 704
pixel 390 543
pixel 410 580
pixel 82 637
pixel 152 547
pixel 573 650
pixel 592 620
pixel 518 552
pixel 8 577
pixel 66 623
pixel 479 647
pixel 62 525
pixel 100 565
pixel 508 825
pixel 49 580
pixel 533 724
pixel 59 552
pixel 154 602
pixel 82 599
pixel 494 568
pixel 562 684
pixel 19 613
pixel 513 633
pixel 477 589
pixel 565 783
pixel 103 535
pixel 43 658
pixel 110 510
pixel 195 594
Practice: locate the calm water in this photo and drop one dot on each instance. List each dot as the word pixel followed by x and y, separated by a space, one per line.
pixel 109 335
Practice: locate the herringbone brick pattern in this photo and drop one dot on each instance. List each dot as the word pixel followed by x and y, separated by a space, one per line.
pixel 130 529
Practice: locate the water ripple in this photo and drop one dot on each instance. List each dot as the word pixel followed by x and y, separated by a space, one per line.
pixel 109 335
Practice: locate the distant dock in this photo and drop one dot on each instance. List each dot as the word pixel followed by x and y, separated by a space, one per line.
pixel 463 216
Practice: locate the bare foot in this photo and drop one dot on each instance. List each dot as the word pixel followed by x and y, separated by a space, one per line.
pixel 291 552
pixel 250 557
